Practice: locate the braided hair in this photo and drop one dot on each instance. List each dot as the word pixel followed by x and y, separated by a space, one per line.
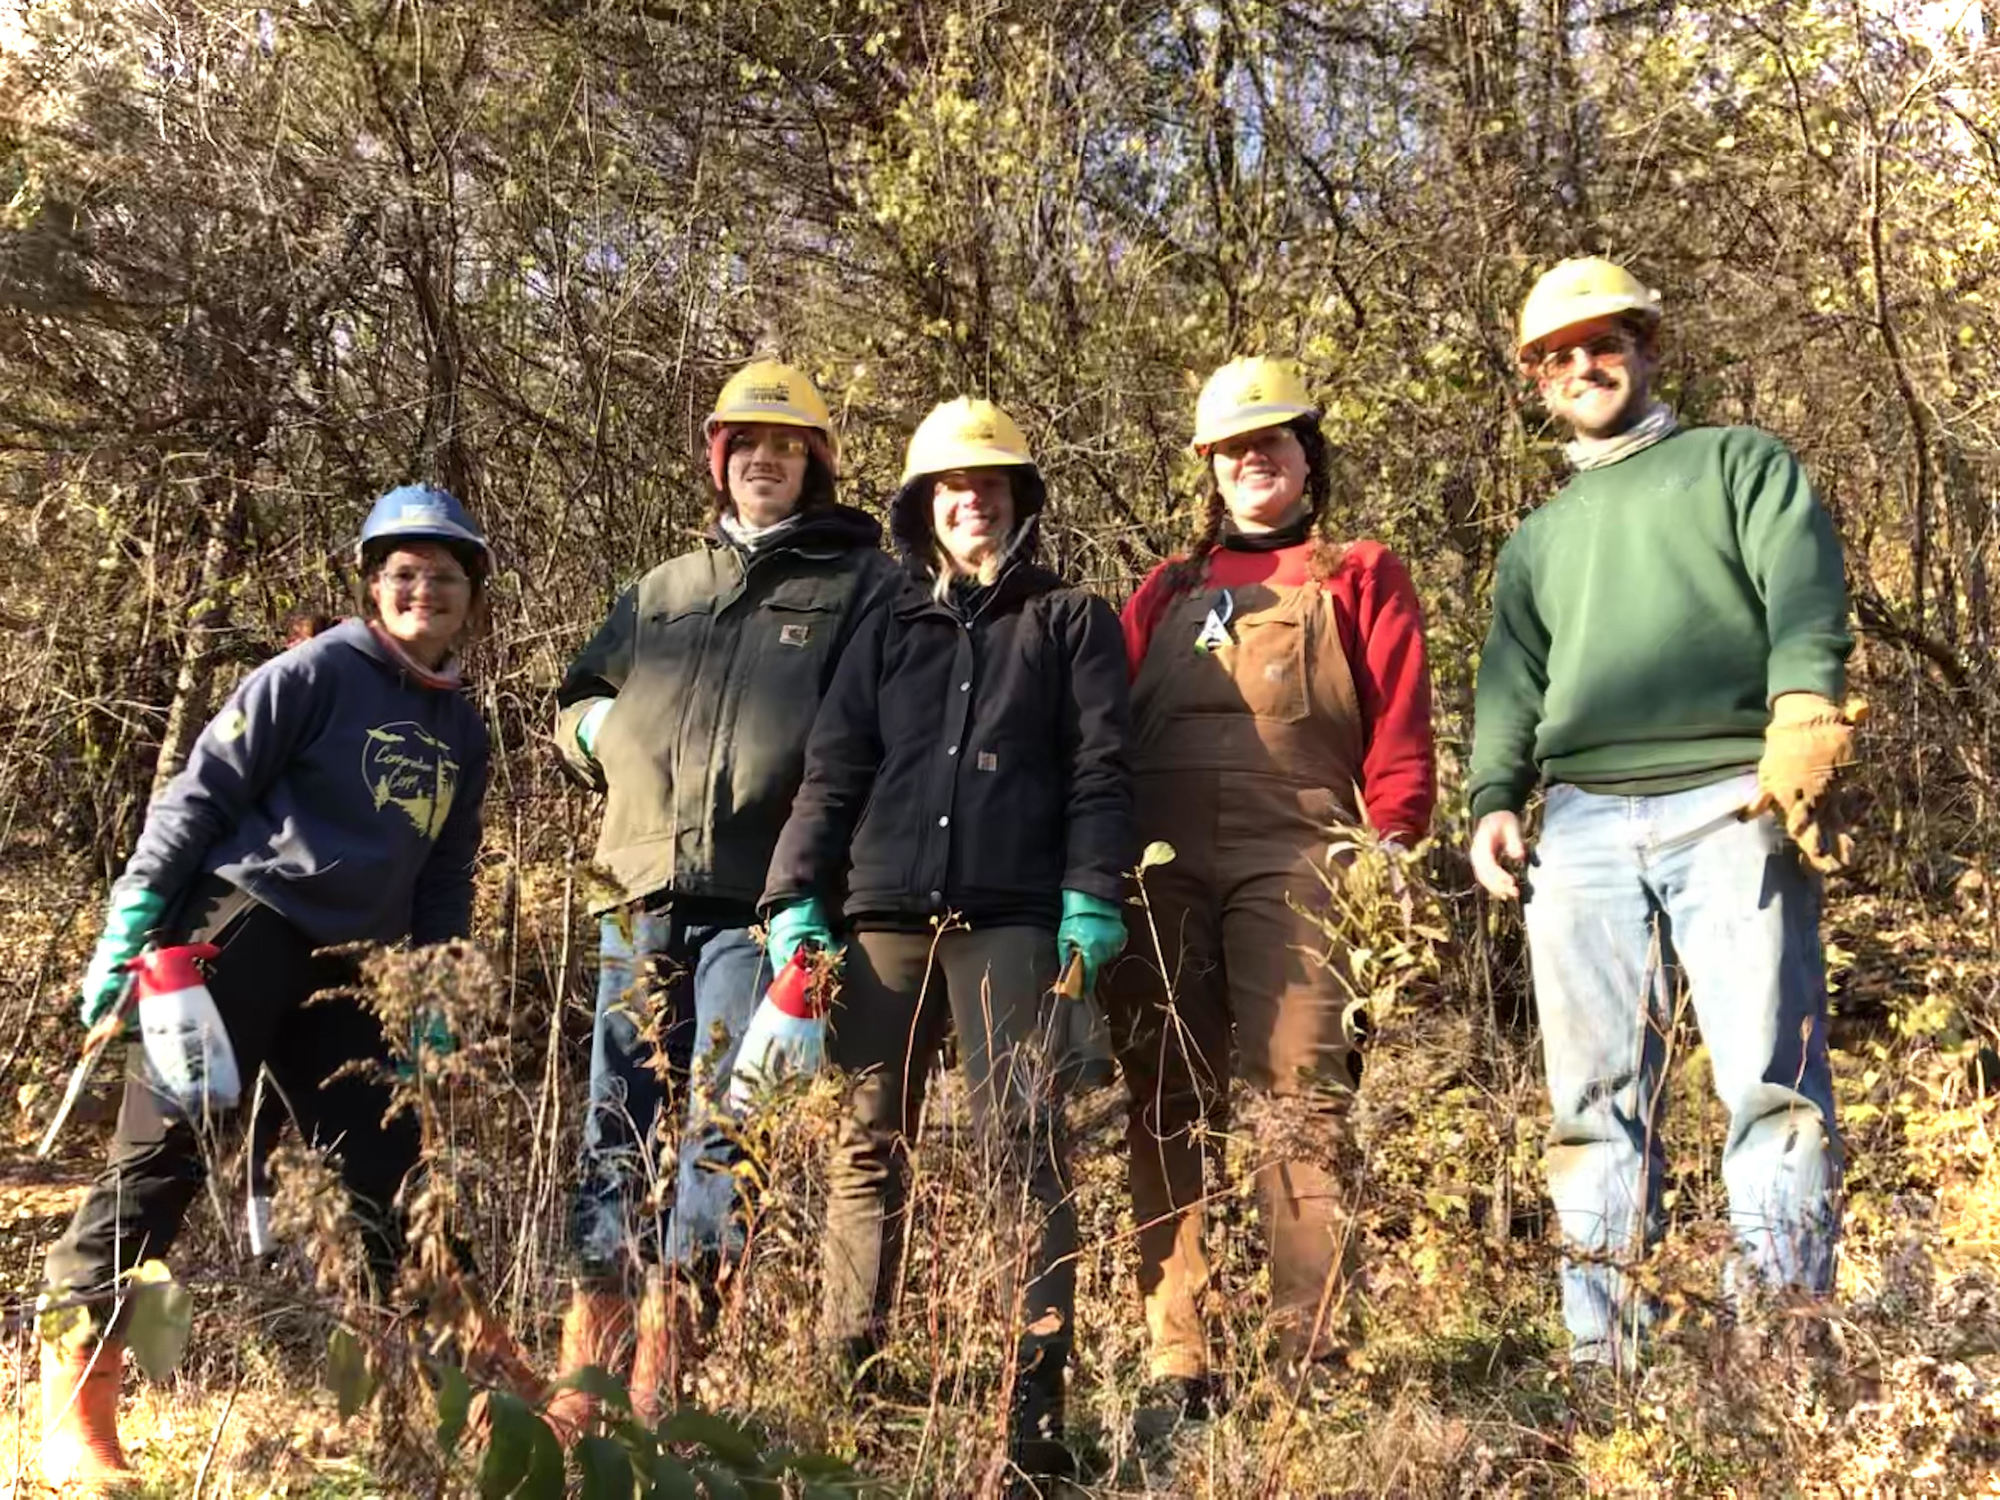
pixel 1185 573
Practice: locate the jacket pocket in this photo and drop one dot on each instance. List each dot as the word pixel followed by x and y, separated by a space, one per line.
pixel 788 646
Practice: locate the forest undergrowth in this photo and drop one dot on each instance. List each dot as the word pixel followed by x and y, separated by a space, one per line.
pixel 1893 1388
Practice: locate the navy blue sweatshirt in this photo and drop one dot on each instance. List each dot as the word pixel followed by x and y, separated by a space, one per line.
pixel 335 789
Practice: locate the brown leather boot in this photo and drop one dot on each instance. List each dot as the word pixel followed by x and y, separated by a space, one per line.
pixel 493 1356
pixel 665 1342
pixel 80 1414
pixel 595 1331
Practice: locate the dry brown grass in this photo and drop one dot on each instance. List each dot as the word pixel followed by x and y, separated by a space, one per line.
pixel 1462 1391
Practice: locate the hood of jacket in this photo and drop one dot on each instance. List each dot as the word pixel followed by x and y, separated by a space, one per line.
pixel 912 534
pixel 360 635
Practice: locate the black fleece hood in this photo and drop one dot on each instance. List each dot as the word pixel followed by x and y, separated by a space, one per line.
pixel 912 535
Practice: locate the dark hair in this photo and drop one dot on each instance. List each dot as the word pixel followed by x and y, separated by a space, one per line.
pixel 1185 573
pixel 301 625
pixel 815 490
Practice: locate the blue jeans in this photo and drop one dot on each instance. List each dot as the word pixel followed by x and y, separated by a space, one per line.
pixel 673 998
pixel 1616 911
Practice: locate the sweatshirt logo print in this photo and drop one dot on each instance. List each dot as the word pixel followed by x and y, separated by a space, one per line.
pixel 409 768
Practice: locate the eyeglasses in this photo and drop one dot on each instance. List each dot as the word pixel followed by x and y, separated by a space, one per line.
pixel 406 580
pixel 783 444
pixel 1265 440
pixel 1614 348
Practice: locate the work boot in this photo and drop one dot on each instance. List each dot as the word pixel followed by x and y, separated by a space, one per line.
pixel 594 1332
pixel 493 1357
pixel 1035 1446
pixel 667 1344
pixel 80 1414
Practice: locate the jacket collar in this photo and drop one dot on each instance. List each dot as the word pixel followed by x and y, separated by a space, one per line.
pixel 819 532
pixel 1020 578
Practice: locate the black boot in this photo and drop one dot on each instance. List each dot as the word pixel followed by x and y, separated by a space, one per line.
pixel 1035 1445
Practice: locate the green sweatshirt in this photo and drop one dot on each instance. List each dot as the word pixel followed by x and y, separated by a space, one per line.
pixel 1644 619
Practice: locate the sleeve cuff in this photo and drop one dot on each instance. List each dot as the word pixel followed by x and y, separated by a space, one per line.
pixel 1493 799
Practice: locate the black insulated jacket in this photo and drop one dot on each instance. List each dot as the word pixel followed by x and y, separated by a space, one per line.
pixel 967 760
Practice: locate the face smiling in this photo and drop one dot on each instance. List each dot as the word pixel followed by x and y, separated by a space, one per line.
pixel 972 515
pixel 767 472
pixel 1596 376
pixel 1262 477
pixel 422 597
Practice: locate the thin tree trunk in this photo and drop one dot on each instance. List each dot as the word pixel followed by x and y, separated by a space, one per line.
pixel 220 556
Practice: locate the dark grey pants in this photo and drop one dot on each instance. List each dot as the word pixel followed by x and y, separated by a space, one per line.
pixel 899 991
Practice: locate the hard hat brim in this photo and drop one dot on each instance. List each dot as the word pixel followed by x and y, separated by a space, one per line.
pixel 1589 310
pixel 427 531
pixel 970 458
pixel 1251 419
pixel 745 416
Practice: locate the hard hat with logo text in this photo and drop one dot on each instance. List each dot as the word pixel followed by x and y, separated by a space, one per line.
pixel 421 513
pixel 770 392
pixel 1247 394
pixel 1577 291
pixel 773 394
pixel 967 433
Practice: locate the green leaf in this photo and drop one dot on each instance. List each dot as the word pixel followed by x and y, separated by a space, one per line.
pixel 671 1480
pixel 729 1441
pixel 1159 852
pixel 598 1382
pixel 808 1465
pixel 347 1373
pixel 161 1316
pixel 508 1449
pixel 544 1479
pixel 454 1400
pixel 606 1468
pixel 720 1483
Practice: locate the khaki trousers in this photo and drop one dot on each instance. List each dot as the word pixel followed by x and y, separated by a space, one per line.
pixel 898 992
pixel 1223 976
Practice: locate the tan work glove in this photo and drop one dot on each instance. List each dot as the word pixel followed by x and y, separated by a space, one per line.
pixel 1808 740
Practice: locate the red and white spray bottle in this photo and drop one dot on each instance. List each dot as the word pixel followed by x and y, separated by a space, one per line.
pixel 786 1037
pixel 189 1061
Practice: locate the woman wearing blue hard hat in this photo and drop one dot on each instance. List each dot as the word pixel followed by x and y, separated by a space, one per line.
pixel 335 799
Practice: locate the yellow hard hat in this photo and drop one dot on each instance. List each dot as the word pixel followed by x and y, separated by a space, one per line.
pixel 1247 394
pixel 1577 291
pixel 967 433
pixel 770 392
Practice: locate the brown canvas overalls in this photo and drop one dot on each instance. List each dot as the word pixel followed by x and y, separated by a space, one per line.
pixel 1245 756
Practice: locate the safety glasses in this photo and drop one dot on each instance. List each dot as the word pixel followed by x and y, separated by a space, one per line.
pixel 1612 347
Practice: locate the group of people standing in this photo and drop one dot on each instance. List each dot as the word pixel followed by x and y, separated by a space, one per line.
pixel 937 767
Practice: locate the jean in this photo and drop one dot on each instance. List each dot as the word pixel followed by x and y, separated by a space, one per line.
pixel 674 996
pixel 1620 905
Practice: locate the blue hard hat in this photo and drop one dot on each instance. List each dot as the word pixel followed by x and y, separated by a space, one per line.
pixel 422 512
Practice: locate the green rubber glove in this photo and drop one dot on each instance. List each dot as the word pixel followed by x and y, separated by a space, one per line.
pixel 1093 927
pixel 796 924
pixel 591 724
pixel 429 1032
pixel 134 912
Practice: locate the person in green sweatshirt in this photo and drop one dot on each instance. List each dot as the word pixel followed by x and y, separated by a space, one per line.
pixel 1666 656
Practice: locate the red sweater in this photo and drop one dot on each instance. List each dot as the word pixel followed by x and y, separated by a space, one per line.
pixel 1381 627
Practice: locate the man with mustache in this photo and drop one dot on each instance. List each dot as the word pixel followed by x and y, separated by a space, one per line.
pixel 1666 657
